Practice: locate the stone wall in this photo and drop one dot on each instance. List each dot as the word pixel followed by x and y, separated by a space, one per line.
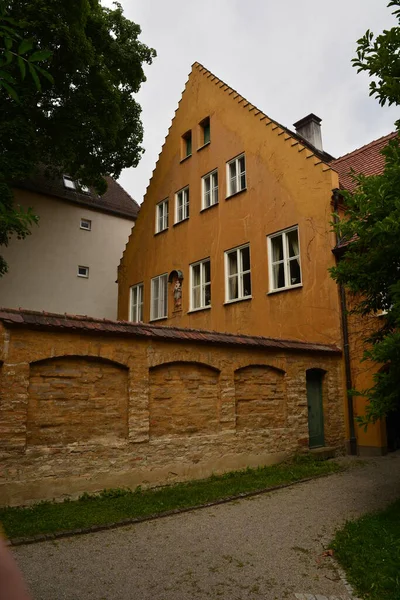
pixel 83 411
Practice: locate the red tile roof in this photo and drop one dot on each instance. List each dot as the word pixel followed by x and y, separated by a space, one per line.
pixel 115 200
pixel 367 160
pixel 49 321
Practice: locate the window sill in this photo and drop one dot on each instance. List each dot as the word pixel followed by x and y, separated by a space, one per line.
pixel 158 319
pixel 204 146
pixel 162 231
pixel 182 221
pixel 285 289
pixel 237 300
pixel 186 157
pixel 195 310
pixel 236 193
pixel 208 207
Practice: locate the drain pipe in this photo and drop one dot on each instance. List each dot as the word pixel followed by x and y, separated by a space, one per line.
pixel 346 345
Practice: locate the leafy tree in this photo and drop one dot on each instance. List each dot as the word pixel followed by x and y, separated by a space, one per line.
pixel 370 268
pixel 80 116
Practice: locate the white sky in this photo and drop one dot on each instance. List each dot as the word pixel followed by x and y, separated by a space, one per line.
pixel 288 57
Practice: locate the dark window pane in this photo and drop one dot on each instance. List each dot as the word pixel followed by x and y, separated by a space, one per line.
pixel 232 263
pixel 246 285
pixel 246 258
pixel 206 130
pixel 207 272
pixel 207 295
pixel 277 248
pixel 294 272
pixel 278 276
pixel 233 288
pixel 293 243
pixel 242 182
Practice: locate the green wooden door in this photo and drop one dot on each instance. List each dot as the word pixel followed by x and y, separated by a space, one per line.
pixel 315 409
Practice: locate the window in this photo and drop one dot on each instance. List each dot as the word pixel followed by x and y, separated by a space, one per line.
pixel 136 303
pixel 186 144
pixel 162 216
pixel 86 224
pixel 182 205
pixel 205 131
pixel 210 189
pixel 159 305
pixel 200 284
pixel 237 269
pixel 83 272
pixel 236 175
pixel 284 260
pixel 69 183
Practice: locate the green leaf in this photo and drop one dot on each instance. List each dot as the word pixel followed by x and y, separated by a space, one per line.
pixel 25 46
pixel 7 77
pixel 10 90
pixel 22 67
pixel 35 77
pixel 9 56
pixel 45 73
pixel 40 55
pixel 8 43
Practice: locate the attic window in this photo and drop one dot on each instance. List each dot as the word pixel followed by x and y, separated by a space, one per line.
pixel 186 147
pixel 83 271
pixel 205 131
pixel 69 183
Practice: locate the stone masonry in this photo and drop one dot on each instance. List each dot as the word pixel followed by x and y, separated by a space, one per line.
pixel 87 405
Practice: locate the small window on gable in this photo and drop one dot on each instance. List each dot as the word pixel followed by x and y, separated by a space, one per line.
pixel 236 175
pixel 162 216
pixel 69 183
pixel 284 260
pixel 86 224
pixel 186 145
pixel 209 189
pixel 83 272
pixel 182 205
pixel 205 137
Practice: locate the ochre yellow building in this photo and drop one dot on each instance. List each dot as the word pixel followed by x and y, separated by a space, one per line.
pixel 234 234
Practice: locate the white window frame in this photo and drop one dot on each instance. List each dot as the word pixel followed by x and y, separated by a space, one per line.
pixel 89 222
pixel 69 183
pixel 85 276
pixel 162 219
pixel 239 274
pixel 136 308
pixel 237 176
pixel 213 189
pixel 153 317
pixel 182 204
pixel 203 285
pixel 286 260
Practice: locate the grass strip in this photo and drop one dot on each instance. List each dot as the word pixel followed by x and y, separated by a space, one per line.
pixel 111 506
pixel 369 551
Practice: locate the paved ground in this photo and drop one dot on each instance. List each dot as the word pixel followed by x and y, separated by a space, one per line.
pixel 268 547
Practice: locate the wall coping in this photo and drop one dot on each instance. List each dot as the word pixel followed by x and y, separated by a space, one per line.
pixel 49 321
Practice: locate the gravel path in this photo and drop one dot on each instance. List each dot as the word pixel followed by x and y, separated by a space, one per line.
pixel 267 546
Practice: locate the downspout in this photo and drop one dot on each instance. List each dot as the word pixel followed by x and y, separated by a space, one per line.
pixel 346 345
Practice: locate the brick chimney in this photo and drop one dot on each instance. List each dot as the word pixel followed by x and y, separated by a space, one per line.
pixel 309 128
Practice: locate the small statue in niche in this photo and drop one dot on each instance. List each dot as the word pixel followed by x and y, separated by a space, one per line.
pixel 178 295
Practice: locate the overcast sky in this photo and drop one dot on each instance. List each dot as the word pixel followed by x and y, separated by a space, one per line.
pixel 288 57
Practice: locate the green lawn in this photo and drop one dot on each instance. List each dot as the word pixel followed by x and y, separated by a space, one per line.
pixel 112 506
pixel 369 551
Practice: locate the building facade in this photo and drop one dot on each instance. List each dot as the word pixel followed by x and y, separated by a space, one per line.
pixel 234 232
pixel 69 262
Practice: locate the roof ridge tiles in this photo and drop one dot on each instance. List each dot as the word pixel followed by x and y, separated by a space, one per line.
pixel 365 147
